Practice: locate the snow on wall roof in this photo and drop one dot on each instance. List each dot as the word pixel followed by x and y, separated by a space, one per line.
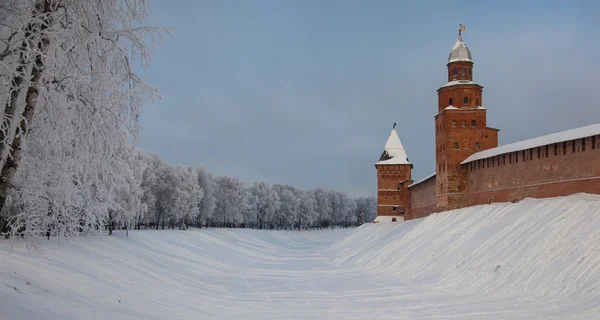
pixel 422 180
pixel 567 135
pixel 393 152
pixel 457 82
pixel 460 52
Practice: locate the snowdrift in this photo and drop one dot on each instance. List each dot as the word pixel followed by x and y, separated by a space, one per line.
pixel 537 247
pixel 537 259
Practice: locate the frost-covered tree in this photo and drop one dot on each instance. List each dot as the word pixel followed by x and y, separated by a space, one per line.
pixel 70 104
pixel 307 215
pixel 288 210
pixel 231 202
pixel 207 204
pixel 129 192
pixel 263 202
pixel 322 207
pixel 185 196
pixel 366 208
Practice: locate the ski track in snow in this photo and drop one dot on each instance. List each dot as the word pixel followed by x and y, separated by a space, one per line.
pixel 538 259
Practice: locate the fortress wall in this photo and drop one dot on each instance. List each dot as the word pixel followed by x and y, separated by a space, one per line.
pixel 423 199
pixel 554 170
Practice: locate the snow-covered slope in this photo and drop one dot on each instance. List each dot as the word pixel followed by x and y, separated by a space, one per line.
pixel 537 259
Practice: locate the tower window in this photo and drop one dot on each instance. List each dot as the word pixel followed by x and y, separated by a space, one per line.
pixel 463 72
pixel 582 144
pixel 473 123
pixel 453 123
pixel 477 146
pixel 456 146
pixel 454 72
pixel 573 146
pixel 464 123
pixel 450 101
pixel 470 73
pixel 477 102
pixel 564 147
pixel 466 100
pixel 555 149
pixel 593 142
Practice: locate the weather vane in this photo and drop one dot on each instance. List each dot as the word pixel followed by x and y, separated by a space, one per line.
pixel 394 127
pixel 461 28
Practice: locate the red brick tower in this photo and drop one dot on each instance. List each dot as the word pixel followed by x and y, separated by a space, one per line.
pixel 460 127
pixel 393 179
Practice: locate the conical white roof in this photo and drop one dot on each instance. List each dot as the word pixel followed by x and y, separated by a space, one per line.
pixel 393 152
pixel 460 52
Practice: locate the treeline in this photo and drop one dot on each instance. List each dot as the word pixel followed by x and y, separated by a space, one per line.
pixel 177 196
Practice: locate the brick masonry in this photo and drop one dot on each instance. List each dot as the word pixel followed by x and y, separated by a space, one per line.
pixel 393 197
pixel 548 171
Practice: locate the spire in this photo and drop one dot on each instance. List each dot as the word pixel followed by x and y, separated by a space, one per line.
pixel 393 152
pixel 460 52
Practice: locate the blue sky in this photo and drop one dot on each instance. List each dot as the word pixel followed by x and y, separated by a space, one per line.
pixel 305 92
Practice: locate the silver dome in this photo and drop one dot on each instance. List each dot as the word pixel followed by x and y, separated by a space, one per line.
pixel 460 52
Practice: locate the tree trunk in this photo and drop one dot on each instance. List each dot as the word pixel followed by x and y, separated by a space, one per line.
pixel 127 229
pixel 11 164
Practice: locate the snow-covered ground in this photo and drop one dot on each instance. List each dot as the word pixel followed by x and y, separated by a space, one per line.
pixel 538 259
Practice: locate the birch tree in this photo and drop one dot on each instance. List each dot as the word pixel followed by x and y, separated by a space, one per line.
pixel 70 98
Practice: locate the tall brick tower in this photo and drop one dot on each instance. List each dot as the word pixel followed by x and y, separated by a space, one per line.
pixel 393 179
pixel 460 126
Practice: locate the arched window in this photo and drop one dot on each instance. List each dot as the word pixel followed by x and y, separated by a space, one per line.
pixel 473 123
pixel 466 100
pixel 453 123
pixel 464 123
pixel 477 146
pixel 454 72
pixel 450 101
pixel 456 146
pixel 463 73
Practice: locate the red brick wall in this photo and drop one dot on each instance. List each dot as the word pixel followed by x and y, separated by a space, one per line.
pixel 392 189
pixel 458 93
pixel 522 174
pixel 423 199
pixel 458 75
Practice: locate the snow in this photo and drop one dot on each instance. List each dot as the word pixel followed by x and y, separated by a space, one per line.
pixel 537 259
pixel 394 149
pixel 457 82
pixel 379 219
pixel 460 52
pixel 422 180
pixel 557 137
pixel 451 108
